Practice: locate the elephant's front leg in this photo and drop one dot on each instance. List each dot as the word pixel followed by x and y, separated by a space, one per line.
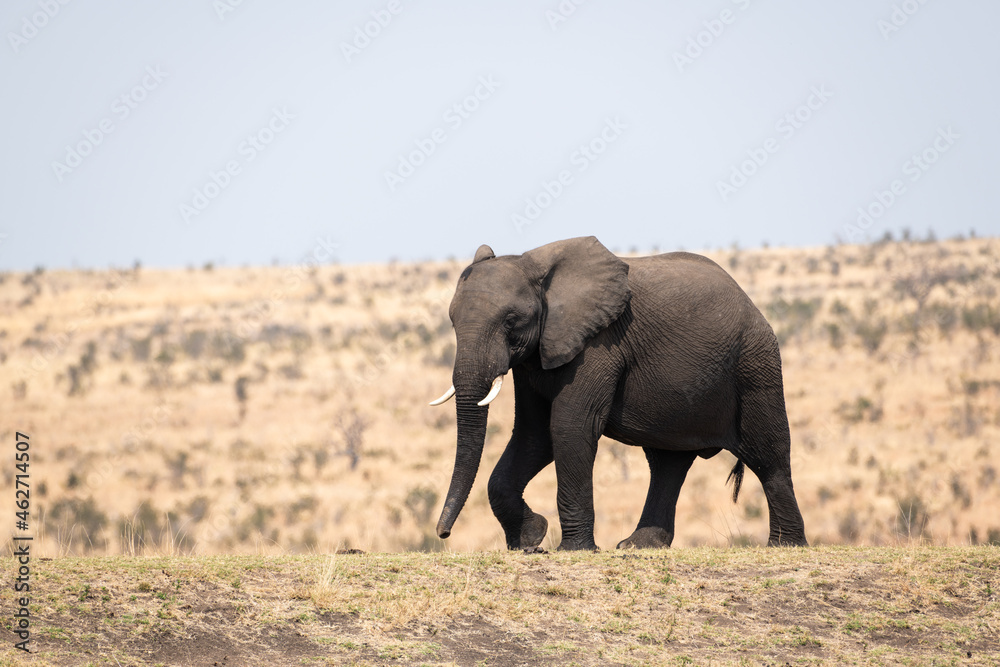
pixel 524 458
pixel 528 452
pixel 574 448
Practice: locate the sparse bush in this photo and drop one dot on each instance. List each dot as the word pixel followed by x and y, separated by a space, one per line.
pixel 321 456
pixel 944 315
pixel 228 347
pixel 871 334
pixel 987 476
pixel 166 355
pixel 352 427
pixel 960 493
pixel 291 371
pixel 178 467
pixel 826 494
pixel 446 359
pixel 141 348
pixel 240 386
pixel 849 527
pixel 304 504
pixel 194 343
pixel 912 518
pixel 973 387
pixel 836 335
pixel 981 316
pixel 420 501
pixel 79 526
pixel 792 316
pixel 965 421
pixel 862 408
pixel 197 509
pixel 839 309
pixel 82 371
pixel 620 454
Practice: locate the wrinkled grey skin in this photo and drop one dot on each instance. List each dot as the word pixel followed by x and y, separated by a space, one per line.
pixel 666 353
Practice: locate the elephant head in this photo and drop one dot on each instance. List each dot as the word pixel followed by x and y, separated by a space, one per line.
pixel 547 302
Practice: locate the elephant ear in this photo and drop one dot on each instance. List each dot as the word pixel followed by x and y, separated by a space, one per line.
pixel 484 252
pixel 584 288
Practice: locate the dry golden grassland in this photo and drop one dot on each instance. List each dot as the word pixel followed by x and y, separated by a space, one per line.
pixel 131 385
pixel 747 606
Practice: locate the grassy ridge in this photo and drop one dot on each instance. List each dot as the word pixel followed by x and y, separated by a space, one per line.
pixel 851 605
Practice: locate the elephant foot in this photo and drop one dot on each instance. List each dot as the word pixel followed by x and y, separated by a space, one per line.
pixel 649 537
pixel 784 541
pixel 533 531
pixel 578 545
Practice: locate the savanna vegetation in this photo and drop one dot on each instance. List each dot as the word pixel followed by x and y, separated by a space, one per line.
pixel 284 409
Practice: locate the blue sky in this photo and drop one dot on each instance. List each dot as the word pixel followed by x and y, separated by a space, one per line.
pixel 251 132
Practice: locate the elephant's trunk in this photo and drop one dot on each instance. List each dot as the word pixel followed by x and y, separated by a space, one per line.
pixel 471 437
pixel 476 368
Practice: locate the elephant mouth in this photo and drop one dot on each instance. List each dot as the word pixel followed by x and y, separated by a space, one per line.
pixel 492 394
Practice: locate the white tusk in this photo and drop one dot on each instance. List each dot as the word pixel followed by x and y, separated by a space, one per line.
pixel 494 391
pixel 444 397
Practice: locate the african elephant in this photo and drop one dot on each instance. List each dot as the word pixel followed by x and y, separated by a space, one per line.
pixel 666 353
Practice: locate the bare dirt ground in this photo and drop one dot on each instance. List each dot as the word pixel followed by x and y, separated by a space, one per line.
pixel 749 606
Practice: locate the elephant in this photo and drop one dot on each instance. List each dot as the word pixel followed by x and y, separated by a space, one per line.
pixel 664 352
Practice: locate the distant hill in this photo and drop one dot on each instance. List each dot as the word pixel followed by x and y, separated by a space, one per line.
pixel 284 409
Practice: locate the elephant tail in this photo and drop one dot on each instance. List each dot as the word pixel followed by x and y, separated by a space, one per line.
pixel 736 474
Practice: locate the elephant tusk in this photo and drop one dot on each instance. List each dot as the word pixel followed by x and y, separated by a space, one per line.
pixel 444 397
pixel 494 391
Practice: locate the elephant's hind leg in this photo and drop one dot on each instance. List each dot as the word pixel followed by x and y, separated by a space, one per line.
pixel 667 471
pixel 765 446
